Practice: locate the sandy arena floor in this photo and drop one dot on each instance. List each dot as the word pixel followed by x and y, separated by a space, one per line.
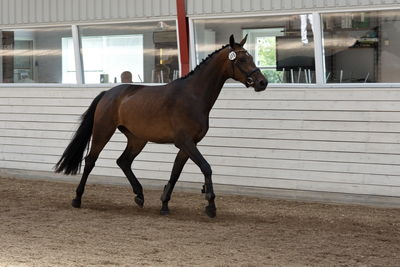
pixel 38 227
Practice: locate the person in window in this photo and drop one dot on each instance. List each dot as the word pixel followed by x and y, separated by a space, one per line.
pixel 126 77
pixel 303 19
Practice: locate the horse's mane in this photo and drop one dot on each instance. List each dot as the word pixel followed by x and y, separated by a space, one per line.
pixel 203 62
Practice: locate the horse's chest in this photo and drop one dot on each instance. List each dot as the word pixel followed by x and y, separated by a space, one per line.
pixel 199 128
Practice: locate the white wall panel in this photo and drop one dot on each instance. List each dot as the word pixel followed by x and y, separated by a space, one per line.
pixel 31 12
pixel 341 140
pixel 12 11
pixel 202 7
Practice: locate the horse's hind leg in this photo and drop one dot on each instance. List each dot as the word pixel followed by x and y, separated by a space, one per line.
pixel 133 148
pixel 180 161
pixel 99 140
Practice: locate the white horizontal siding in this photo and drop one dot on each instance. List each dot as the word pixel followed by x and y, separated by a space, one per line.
pixel 31 12
pixel 17 13
pixel 208 7
pixel 344 140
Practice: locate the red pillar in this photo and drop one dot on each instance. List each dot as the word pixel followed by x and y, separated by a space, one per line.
pixel 183 32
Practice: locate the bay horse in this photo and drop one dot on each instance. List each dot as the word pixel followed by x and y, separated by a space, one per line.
pixel 176 113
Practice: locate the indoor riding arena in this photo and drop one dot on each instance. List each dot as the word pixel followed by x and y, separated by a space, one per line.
pixel 299 109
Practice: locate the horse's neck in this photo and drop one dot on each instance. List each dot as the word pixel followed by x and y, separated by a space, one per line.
pixel 208 80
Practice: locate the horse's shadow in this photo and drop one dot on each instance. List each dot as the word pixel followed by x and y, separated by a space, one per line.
pixel 177 213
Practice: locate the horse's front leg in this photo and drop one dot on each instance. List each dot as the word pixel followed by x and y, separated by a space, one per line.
pixel 195 155
pixel 180 160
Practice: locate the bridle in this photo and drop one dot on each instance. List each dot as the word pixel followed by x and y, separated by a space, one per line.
pixel 233 58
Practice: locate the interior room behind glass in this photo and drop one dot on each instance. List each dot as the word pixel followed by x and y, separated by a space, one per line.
pixel 362 47
pixel 33 55
pixel 148 50
pixel 46 54
pixel 282 47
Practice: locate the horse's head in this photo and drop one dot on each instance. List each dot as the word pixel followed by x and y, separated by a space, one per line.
pixel 243 68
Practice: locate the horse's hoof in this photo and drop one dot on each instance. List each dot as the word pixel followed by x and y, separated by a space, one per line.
pixel 211 211
pixel 164 212
pixel 76 203
pixel 139 201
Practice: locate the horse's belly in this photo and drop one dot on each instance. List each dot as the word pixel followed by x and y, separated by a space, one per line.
pixel 152 130
pixel 147 120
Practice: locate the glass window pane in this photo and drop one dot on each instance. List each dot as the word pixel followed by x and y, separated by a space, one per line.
pixel 36 56
pixel 147 50
pixel 282 47
pixel 362 47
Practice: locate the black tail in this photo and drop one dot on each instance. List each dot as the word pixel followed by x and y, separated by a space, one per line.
pixel 71 160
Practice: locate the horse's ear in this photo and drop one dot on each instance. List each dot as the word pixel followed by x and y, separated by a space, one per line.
pixel 232 41
pixel 243 41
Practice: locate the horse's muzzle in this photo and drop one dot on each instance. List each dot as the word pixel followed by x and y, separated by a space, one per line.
pixel 260 85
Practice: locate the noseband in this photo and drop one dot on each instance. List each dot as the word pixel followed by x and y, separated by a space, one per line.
pixel 233 59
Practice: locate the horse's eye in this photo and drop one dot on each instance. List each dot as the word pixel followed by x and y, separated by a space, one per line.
pixel 242 60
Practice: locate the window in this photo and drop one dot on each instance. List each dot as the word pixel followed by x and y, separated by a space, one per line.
pixel 106 56
pixel 147 50
pixel 46 55
pixel 362 47
pixel 34 56
pixel 282 47
pixel 264 51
